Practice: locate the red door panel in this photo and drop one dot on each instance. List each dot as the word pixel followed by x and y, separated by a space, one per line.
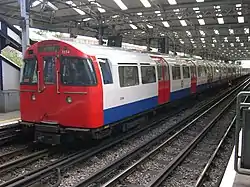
pixel 163 80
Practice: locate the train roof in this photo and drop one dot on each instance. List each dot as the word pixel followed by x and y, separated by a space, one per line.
pixel 116 55
pixel 120 56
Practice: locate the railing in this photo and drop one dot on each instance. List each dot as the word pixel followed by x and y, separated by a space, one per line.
pixel 242 134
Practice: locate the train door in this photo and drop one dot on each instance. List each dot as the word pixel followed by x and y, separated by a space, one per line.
pixel 167 81
pixel 176 82
pixel 193 78
pixel 163 80
pixel 48 84
pixel 186 79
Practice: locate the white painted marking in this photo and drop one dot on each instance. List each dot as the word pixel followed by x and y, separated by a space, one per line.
pixel 229 175
pixel 13 35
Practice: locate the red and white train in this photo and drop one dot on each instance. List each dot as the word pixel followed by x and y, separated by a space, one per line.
pixel 74 88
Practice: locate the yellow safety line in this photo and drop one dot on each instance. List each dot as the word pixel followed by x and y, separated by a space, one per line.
pixel 9 120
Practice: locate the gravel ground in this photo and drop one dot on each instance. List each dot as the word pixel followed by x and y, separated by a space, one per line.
pixel 220 162
pixel 152 166
pixel 32 166
pixel 188 172
pixel 85 169
pixel 10 148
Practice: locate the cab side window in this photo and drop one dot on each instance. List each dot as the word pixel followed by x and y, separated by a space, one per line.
pixel 106 71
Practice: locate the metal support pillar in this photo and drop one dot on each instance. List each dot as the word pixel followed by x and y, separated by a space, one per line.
pixel 24 8
pixel 100 33
pixel 167 45
pixel 148 44
pixel 1 67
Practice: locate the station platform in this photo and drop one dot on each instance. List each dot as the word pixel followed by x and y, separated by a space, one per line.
pixel 231 178
pixel 9 118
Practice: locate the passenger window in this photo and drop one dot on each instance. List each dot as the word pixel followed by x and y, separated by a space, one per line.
pixel 166 73
pixel 176 72
pixel 29 75
pixel 49 70
pixel 106 71
pixel 193 71
pixel 148 74
pixel 186 72
pixel 199 71
pixel 77 71
pixel 159 71
pixel 128 76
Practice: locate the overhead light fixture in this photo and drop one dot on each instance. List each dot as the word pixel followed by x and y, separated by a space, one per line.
pixel 86 19
pixel 202 33
pixel 213 45
pixel 242 44
pixel 189 34
pixel 220 20
pixel 150 26
pixel 52 6
pixel 133 26
pixel 36 3
pixel 216 31
pixel 237 39
pixel 196 8
pixel 121 4
pixel 139 13
pixel 241 19
pixel 102 10
pixel 231 31
pixel 199 1
pixel 232 44
pixel 246 30
pixel 183 23
pixel 172 2
pixel 201 21
pixel 166 24
pixel 157 12
pixel 225 39
pixel 145 3
pixel 79 11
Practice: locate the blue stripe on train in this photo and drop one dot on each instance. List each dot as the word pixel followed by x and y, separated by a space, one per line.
pixel 120 112
pixel 202 87
pixel 180 94
pixel 112 115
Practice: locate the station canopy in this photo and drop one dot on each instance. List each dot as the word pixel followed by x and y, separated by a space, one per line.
pixel 218 28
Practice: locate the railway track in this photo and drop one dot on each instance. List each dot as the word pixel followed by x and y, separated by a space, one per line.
pixel 58 166
pixel 149 163
pixel 9 133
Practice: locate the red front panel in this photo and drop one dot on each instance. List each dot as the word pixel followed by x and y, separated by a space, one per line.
pixel 85 109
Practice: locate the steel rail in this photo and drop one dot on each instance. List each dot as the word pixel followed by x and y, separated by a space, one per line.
pixel 23 160
pixel 131 168
pixel 164 173
pixel 202 176
pixel 209 163
pixel 99 174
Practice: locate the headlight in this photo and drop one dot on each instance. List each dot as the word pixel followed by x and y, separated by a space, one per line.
pixel 69 99
pixel 33 97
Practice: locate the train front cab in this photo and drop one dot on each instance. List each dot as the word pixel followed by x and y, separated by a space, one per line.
pixel 58 85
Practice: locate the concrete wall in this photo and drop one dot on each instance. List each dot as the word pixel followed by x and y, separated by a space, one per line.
pixel 11 76
pixel 9 101
pixel 9 95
